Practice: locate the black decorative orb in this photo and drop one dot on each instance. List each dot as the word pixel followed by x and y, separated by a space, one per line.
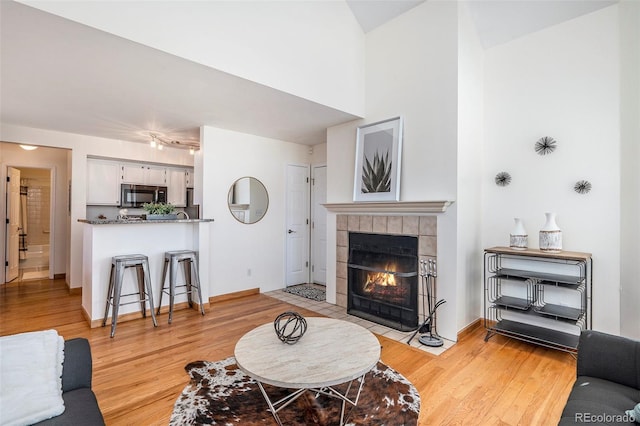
pixel 290 326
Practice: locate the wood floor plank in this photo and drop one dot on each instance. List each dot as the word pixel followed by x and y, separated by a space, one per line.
pixel 139 374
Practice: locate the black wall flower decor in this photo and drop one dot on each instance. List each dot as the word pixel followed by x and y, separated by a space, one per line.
pixel 582 186
pixel 503 179
pixel 545 145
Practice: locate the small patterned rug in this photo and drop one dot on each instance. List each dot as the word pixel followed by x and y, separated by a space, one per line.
pixel 309 291
pixel 219 393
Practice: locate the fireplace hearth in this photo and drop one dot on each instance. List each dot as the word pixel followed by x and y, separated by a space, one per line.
pixel 382 280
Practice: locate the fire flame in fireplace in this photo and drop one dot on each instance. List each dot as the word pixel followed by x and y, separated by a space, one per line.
pixel 384 279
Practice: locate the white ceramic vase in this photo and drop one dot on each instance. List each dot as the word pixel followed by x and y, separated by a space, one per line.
pixel 550 235
pixel 518 239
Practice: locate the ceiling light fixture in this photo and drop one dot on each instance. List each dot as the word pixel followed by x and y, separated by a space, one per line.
pixel 28 147
pixel 159 142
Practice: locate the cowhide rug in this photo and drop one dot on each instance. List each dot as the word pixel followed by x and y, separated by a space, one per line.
pixel 219 393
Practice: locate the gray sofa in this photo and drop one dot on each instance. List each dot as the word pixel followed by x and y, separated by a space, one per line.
pixel 81 406
pixel 607 383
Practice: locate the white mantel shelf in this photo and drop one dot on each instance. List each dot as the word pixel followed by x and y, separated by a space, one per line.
pixel 404 207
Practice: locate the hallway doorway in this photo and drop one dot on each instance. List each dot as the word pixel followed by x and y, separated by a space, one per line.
pixel 45 184
pixel 35 223
pixel 31 218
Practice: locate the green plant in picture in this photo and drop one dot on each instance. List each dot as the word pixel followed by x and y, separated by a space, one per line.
pixel 376 175
pixel 159 208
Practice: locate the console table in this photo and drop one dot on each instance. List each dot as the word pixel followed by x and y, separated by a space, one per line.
pixel 536 296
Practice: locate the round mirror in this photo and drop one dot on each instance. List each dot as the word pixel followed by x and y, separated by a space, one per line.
pixel 248 200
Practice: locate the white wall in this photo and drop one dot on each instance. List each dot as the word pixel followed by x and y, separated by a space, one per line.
pixel 236 247
pixel 412 72
pixel 46 158
pixel 312 49
pixel 630 176
pixel 81 146
pixel 469 167
pixel 562 82
pixel 411 65
pixel 319 155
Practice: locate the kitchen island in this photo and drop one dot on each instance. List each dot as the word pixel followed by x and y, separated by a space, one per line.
pixel 105 238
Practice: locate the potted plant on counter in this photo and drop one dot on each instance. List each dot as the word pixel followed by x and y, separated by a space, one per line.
pixel 160 211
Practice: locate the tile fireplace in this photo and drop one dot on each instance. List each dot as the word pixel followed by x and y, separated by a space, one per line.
pixel 421 228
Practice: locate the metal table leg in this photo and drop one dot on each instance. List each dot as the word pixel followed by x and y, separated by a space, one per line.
pixel 329 391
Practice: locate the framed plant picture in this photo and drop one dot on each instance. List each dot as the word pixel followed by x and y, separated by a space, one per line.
pixel 378 155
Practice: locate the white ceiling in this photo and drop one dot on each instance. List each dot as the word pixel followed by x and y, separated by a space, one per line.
pixel 500 21
pixel 60 75
pixel 373 13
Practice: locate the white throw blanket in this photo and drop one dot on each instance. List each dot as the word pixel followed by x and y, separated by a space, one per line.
pixel 31 377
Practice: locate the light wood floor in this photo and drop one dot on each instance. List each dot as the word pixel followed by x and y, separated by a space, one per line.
pixel 138 374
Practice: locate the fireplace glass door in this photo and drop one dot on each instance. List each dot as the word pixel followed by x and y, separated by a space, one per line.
pixel 383 279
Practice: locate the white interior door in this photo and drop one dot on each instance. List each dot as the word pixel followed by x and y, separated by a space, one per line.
pixel 319 225
pixel 12 252
pixel 297 230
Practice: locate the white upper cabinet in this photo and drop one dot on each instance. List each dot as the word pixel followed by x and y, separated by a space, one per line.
pixel 103 183
pixel 143 174
pixel 177 187
pixel 105 176
pixel 156 176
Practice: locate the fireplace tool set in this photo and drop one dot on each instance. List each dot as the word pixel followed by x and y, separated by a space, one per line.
pixel 429 336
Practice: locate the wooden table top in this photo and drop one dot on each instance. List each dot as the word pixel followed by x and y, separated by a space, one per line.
pixel 331 352
pixel 562 254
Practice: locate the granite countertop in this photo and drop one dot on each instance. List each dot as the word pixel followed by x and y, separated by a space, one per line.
pixel 136 221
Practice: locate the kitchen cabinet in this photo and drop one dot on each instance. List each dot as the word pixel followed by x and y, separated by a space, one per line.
pixel 103 183
pixel 177 187
pixel 143 174
pixel 104 178
pixel 536 296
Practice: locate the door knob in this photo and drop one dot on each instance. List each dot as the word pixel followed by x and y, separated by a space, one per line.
pixel 291 231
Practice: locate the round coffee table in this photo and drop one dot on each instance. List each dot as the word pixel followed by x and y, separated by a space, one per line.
pixel 331 352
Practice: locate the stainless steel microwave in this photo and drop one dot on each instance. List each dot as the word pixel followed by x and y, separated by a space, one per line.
pixel 137 195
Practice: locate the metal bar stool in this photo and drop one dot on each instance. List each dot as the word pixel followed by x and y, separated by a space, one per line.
pixel 116 278
pixel 189 261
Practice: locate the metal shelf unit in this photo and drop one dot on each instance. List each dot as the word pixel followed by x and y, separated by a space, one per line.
pixel 538 297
